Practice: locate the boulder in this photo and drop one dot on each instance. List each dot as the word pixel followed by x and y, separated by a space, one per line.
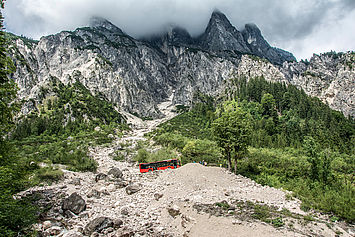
pixel 74 203
pixel 116 172
pixel 131 189
pixel 98 225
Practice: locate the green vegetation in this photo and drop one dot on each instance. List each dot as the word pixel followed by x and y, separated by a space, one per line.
pixel 15 215
pixel 296 142
pixel 64 122
pixel 144 156
pixel 231 129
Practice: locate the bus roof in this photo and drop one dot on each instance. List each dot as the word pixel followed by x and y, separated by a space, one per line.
pixel 159 161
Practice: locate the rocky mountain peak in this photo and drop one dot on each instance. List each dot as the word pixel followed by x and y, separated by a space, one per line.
pixel 102 23
pixel 221 35
pixel 260 47
pixel 219 18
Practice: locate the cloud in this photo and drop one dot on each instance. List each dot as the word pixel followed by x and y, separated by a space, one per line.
pixel 300 26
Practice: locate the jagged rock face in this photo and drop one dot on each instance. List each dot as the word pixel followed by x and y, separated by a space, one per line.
pixel 259 46
pixel 221 35
pixel 330 77
pixel 136 75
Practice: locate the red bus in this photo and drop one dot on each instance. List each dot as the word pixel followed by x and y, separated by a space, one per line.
pixel 159 165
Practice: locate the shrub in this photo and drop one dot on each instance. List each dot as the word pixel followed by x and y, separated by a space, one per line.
pixel 198 150
pixel 171 139
pixel 49 174
pixel 142 156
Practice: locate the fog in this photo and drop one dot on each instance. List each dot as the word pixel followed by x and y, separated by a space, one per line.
pixel 302 27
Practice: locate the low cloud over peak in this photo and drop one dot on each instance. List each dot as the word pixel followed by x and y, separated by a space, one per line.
pixel 302 27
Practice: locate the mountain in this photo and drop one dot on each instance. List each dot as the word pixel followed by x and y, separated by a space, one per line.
pixel 138 74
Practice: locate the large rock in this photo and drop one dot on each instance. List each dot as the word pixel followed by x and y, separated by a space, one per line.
pixel 98 225
pixel 116 172
pixel 74 203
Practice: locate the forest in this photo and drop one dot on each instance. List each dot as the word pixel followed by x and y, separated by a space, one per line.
pixel 285 139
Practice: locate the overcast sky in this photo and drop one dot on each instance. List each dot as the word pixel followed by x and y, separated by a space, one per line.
pixel 302 27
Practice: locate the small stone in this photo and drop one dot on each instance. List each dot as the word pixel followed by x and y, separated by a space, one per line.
pixel 109 230
pixel 111 188
pixel 93 193
pixel 117 223
pixel 157 196
pixel 97 129
pixel 121 183
pixel 84 215
pixel 116 172
pixel 236 222
pixel 100 176
pixel 55 230
pixel 69 214
pixel 75 181
pixel 124 211
pixel 47 224
pixel 95 234
pixel 131 189
pixel 110 136
pixel 72 234
pixel 174 211
pixel 98 225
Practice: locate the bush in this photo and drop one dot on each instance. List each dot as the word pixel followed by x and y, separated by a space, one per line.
pixel 49 174
pixel 171 139
pixel 142 156
pixel 198 150
pixel 289 169
pixel 163 154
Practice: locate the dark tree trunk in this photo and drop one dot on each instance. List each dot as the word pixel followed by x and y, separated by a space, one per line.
pixel 229 160
pixel 235 165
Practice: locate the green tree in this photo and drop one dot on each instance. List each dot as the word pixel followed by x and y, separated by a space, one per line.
pixel 312 149
pixel 232 131
pixel 198 150
pixel 269 106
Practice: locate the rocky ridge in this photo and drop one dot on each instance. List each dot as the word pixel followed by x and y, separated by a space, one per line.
pixel 193 200
pixel 138 74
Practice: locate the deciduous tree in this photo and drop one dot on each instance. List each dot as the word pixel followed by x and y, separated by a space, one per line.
pixel 232 130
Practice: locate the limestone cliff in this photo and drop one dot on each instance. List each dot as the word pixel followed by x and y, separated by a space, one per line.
pixel 138 74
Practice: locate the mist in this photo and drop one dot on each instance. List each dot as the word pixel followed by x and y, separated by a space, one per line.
pixel 302 27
